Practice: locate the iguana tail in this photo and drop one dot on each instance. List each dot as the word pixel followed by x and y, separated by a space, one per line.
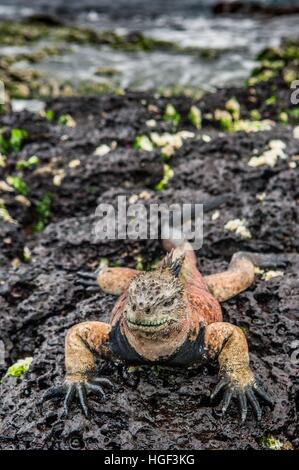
pixel 177 238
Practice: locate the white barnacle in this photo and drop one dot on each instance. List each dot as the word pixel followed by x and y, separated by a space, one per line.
pixel 296 132
pixel 74 163
pixel 151 123
pixel 215 215
pixel 58 177
pixel 260 197
pixel 5 187
pixel 238 226
pixel 102 150
pixel 268 275
pixel 270 157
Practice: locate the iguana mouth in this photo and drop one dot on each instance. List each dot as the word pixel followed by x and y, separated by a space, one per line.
pixel 148 325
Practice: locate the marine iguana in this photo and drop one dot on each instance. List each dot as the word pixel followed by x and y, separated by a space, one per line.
pixel 170 316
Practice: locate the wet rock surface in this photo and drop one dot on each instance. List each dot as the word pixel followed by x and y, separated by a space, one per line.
pixel 39 300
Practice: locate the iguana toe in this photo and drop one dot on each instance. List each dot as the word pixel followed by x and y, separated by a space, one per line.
pixel 244 394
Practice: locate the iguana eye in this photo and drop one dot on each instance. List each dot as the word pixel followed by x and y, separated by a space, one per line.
pixel 133 307
pixel 168 303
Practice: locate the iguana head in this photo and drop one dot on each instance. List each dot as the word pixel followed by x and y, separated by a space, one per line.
pixel 155 301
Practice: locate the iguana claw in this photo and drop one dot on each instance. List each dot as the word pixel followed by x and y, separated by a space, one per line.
pixel 78 389
pixel 244 395
pixel 88 281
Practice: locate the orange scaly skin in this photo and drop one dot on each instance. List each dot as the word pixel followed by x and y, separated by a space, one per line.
pixel 204 307
pixel 169 316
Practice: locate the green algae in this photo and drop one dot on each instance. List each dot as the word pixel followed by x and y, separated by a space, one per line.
pixel 17 137
pixel 18 184
pixel 27 32
pixel 282 61
pixel 66 120
pixel 13 142
pixel 195 117
pixel 272 443
pixel 288 51
pixel 224 118
pixel 294 112
pixel 168 173
pixel 43 212
pixel 234 108
pixel 255 115
pixel 142 142
pixel 261 75
pixel 19 368
pixel 271 101
pixel 30 84
pixel 29 164
pixel 19 34
pixel 171 114
pixel 49 115
pixel 139 263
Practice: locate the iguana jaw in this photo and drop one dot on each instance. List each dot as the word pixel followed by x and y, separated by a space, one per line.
pixel 150 326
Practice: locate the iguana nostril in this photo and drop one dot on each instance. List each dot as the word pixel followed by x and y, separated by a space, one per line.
pixel 147 310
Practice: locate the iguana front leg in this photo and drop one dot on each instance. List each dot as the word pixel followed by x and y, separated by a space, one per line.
pixel 82 342
pixel 228 343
